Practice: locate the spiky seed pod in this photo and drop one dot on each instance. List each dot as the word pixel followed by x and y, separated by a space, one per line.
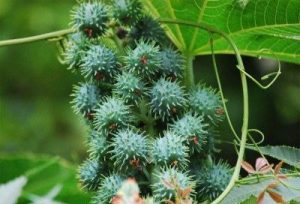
pixel 212 180
pixel 127 11
pixel 76 48
pixel 89 174
pixel 100 63
pixel 129 149
pixel 169 150
pixel 193 129
pixel 112 114
pixel 149 29
pixel 97 144
pixel 108 189
pixel 129 87
pixel 168 182
pixel 86 97
pixel 144 60
pixel 171 63
pixel 167 99
pixel 90 18
pixel 207 101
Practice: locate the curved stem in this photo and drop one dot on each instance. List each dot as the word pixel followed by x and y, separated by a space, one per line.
pixel 243 140
pixel 264 77
pixel 221 91
pixel 35 38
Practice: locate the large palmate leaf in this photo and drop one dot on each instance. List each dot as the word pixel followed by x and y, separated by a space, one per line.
pixel 289 155
pixel 243 193
pixel 254 25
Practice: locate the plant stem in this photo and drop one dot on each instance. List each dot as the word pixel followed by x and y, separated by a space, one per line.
pixel 35 38
pixel 221 92
pixel 146 118
pixel 189 72
pixel 118 43
pixel 243 140
pixel 38 169
pixel 254 178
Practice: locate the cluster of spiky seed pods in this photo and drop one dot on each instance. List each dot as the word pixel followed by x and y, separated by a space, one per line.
pixel 144 123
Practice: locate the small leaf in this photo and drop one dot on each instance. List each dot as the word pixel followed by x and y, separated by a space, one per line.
pixel 273 185
pixel 278 167
pixel 275 196
pixel 248 167
pixel 260 197
pixel 260 163
pixel 266 169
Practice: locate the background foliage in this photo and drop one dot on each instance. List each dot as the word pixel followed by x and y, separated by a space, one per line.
pixel 35 115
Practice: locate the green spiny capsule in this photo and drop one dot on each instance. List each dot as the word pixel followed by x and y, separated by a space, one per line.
pixel 89 174
pixel 127 11
pixel 86 97
pixel 167 99
pixel 149 29
pixel 97 144
pixel 193 129
pixel 144 60
pixel 168 182
pixel 129 149
pixel 75 51
pixel 129 87
pixel 171 63
pixel 91 18
pixel 169 150
pixel 212 180
pixel 100 63
pixel 108 189
pixel 206 101
pixel 112 114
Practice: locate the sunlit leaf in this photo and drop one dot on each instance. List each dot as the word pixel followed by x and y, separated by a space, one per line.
pixel 254 25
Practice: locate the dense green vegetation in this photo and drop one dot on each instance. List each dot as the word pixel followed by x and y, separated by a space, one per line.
pixel 35 110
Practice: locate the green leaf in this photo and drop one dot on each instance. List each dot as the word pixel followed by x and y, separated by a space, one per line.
pixel 43 173
pixel 289 155
pixel 242 193
pixel 250 200
pixel 253 25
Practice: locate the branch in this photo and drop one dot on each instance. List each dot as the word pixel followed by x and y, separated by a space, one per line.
pixel 46 36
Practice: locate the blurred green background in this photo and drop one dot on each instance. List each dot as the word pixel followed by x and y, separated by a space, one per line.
pixel 35 114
